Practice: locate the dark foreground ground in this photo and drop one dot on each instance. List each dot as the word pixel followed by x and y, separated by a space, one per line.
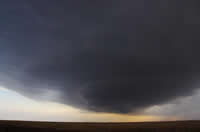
pixel 26 126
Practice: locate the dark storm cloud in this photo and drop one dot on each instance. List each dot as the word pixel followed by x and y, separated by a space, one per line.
pixel 110 56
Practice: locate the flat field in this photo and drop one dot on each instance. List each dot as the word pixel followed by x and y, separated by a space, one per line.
pixel 28 126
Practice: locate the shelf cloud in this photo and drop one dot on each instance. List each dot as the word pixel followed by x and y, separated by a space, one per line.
pixel 105 56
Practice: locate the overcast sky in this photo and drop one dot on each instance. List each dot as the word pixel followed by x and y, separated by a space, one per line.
pixel 99 60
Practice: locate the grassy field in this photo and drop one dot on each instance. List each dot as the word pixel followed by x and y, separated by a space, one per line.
pixel 27 126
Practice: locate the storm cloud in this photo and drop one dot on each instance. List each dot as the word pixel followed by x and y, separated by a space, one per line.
pixel 105 56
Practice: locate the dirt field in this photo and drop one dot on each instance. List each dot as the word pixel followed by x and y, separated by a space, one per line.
pixel 26 126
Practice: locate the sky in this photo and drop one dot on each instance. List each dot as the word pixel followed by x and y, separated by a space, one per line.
pixel 108 60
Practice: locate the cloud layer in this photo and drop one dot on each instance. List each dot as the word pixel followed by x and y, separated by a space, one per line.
pixel 107 56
